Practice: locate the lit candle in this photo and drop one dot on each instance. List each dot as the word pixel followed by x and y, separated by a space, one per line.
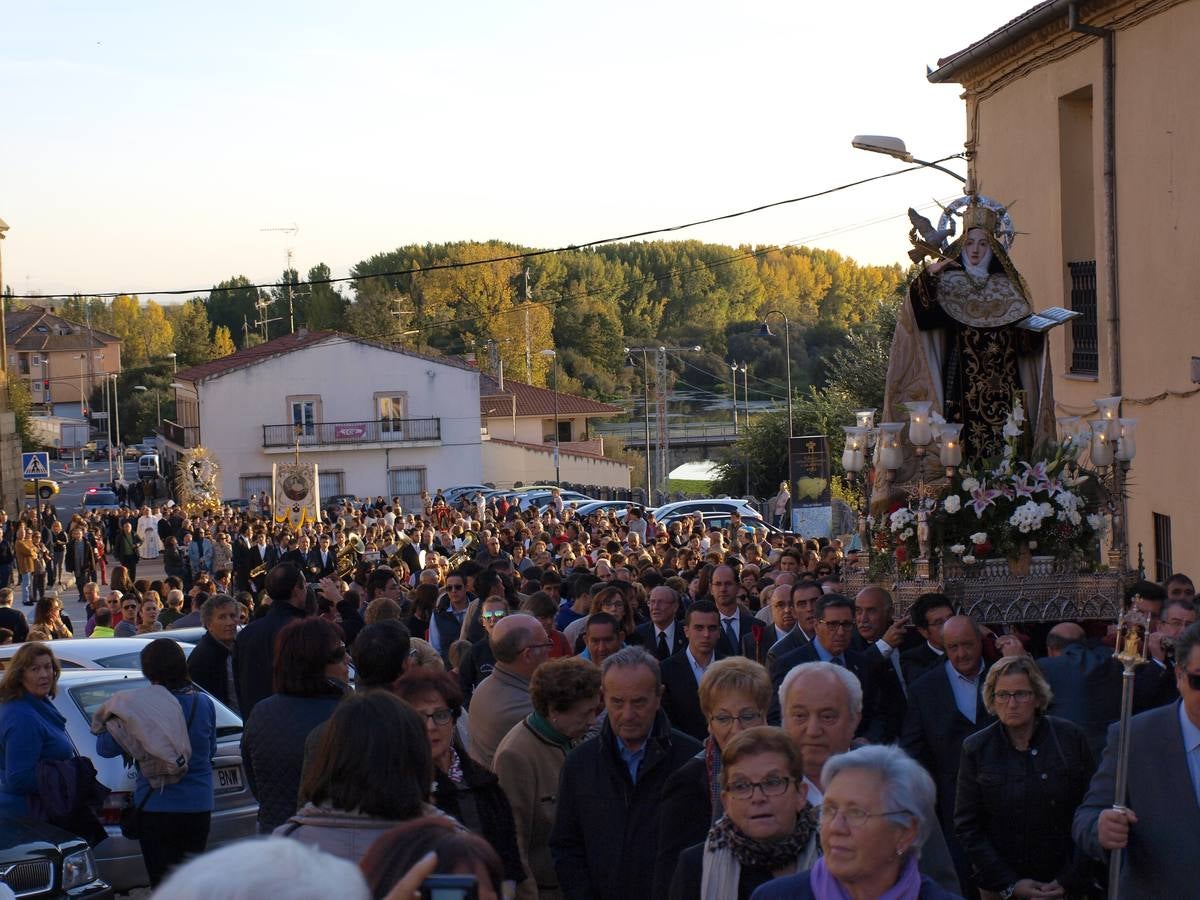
pixel 951 446
pixel 1126 446
pixel 1102 446
pixel 853 458
pixel 918 423
pixel 891 455
pixel 1108 407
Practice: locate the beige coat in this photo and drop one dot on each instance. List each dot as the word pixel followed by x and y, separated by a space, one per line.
pixel 528 766
pixel 499 703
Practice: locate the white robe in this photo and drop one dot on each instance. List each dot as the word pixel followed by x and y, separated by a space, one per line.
pixel 147 529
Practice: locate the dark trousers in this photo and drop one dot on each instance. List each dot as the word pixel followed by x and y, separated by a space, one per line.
pixel 169 838
pixel 131 563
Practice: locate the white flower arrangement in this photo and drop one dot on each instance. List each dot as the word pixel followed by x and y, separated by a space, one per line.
pixel 970 484
pixel 900 519
pixel 952 504
pixel 1028 516
pixel 906 534
pixel 969 559
pixel 958 549
pixel 979 537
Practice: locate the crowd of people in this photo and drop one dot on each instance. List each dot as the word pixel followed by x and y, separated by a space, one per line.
pixel 612 708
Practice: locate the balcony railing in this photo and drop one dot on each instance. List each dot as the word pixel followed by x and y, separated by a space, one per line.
pixel 185 436
pixel 380 431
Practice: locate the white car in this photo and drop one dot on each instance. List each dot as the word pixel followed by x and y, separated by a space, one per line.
pixel 98 653
pixel 722 505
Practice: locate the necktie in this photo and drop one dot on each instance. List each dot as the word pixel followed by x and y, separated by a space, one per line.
pixel 663 650
pixel 838 661
pixel 729 633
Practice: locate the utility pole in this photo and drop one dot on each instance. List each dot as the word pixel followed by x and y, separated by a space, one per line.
pixel 734 370
pixel 293 230
pixel 263 321
pixel 528 354
pixel 245 331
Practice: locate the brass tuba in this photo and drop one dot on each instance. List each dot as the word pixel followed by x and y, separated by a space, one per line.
pixel 469 548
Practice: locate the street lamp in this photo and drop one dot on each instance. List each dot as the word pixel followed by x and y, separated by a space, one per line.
pixel 765 331
pixel 551 353
pixel 174 363
pixel 157 401
pixel 82 405
pixel 646 368
pixel 894 147
pixel 733 369
pixel 117 413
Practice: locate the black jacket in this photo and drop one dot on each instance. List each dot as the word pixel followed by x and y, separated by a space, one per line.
pixel 605 836
pixel 689 876
pixel 884 719
pixel 476 665
pixel 791 641
pixel 482 806
pixel 254 654
pixel 685 817
pixel 646 632
pixel 746 622
pixel 681 696
pixel 207 667
pixel 855 662
pixel 918 660
pixel 1086 683
pixel 934 731
pixel 1013 811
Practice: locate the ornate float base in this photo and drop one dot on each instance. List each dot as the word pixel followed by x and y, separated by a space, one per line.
pixel 1009 599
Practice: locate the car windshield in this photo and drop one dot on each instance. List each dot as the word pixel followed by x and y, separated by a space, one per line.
pixel 133 659
pixel 90 697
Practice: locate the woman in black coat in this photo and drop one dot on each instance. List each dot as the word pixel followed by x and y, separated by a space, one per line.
pixel 1019 784
pixel 462 788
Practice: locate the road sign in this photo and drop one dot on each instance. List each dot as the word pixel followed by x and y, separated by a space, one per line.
pixel 35 465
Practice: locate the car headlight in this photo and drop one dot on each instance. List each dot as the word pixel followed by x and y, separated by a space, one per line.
pixel 79 868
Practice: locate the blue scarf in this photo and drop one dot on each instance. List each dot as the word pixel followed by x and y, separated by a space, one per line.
pixel 826 887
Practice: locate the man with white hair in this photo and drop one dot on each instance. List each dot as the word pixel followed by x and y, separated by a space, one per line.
pixel 822 705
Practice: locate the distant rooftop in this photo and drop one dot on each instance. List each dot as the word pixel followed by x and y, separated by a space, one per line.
pixel 535 401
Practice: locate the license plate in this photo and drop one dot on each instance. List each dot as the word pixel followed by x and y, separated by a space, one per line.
pixel 228 779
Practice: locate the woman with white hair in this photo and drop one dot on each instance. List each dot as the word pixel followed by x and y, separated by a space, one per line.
pixel 877 811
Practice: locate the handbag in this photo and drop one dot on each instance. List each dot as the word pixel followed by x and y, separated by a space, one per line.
pixel 131 816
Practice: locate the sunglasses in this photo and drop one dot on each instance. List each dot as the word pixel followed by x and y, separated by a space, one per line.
pixel 493 615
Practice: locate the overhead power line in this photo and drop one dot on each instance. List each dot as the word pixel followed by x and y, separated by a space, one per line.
pixel 530 254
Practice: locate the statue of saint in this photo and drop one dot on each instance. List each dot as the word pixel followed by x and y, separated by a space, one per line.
pixel 957 343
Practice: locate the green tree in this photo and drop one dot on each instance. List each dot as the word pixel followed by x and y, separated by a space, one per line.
pixel 192 332
pixel 325 307
pixel 20 402
pixel 222 343
pixel 231 303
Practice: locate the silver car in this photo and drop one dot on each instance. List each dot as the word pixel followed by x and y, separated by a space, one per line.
pixel 80 693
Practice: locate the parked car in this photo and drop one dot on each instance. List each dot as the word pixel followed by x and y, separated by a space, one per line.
pixel 98 500
pixel 583 510
pixel 235 814
pixel 133 451
pixel 45 487
pixel 456 493
pixel 714 505
pixel 541 500
pixel 721 520
pixel 102 653
pixel 38 860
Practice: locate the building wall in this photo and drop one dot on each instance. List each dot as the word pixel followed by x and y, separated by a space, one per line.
pixel 1026 126
pixel 533 429
pixel 505 464
pixel 61 369
pixel 346 377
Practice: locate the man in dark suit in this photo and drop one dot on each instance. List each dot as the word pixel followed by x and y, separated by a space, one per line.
pixel 835 625
pixel 323 558
pixel 804 599
pixel 929 614
pixel 1161 815
pixel 262 553
pixel 1085 681
pixel 241 558
pixel 735 621
pixel 1155 682
pixel 663 634
pixel 758 643
pixel 682 672
pixel 944 707
pixel 878 638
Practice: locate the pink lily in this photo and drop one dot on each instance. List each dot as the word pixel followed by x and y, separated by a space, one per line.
pixel 982 498
pixel 1022 486
pixel 1037 473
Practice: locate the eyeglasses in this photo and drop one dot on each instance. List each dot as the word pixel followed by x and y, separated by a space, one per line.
pixel 1010 696
pixel 492 615
pixel 538 646
pixel 441 716
pixel 456 587
pixel 772 786
pixel 746 719
pixel 837 626
pixel 853 816
pixel 130 606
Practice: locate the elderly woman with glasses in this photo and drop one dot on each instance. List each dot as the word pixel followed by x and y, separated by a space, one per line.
pixel 877 812
pixel 462 788
pixel 1019 783
pixel 734 696
pixel 767 831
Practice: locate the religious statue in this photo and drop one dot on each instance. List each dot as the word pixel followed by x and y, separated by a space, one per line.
pixel 967 338
pixel 196 481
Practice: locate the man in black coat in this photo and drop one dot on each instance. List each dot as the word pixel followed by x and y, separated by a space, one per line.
pixel 663 634
pixel 1085 682
pixel 945 706
pixel 805 595
pixel 605 834
pixel 682 672
pixel 735 621
pixel 929 614
pixel 210 665
pixel 254 650
pixel 323 558
pixel 878 638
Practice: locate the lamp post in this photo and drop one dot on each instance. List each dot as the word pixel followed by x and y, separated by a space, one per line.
pixel 82 399
pixel 733 370
pixel 157 401
pixel 174 364
pixel 765 331
pixel 557 473
pixel 746 417
pixel 646 369
pixel 894 147
pixel 117 413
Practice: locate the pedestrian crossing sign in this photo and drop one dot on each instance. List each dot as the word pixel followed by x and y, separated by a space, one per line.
pixel 35 465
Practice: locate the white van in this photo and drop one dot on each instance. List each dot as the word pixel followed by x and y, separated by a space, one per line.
pixel 148 466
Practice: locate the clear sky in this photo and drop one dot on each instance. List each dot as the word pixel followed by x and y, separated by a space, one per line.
pixel 145 145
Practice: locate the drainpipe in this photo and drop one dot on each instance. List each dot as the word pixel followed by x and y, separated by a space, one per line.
pixel 1111 284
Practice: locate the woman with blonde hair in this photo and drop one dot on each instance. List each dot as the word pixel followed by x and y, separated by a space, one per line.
pixel 31 729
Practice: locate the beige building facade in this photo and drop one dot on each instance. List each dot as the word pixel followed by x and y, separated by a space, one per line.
pixel 1035 94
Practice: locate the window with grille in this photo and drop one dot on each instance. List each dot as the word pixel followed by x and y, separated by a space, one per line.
pixel 331 483
pixel 255 484
pixel 1163 566
pixel 407 484
pixel 1085 342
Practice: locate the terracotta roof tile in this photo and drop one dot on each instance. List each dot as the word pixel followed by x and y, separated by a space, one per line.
pixel 535 401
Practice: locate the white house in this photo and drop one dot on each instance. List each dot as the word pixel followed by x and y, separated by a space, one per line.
pixel 376 418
